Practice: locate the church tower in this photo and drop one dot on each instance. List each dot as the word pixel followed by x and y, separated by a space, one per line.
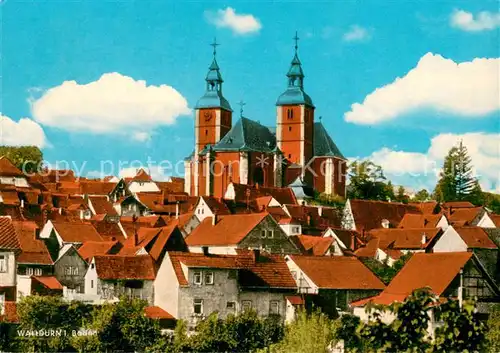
pixel 213 114
pixel 295 117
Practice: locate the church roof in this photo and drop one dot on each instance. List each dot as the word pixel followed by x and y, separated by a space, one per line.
pixel 294 95
pixel 247 135
pixel 213 99
pixel 301 189
pixel 323 143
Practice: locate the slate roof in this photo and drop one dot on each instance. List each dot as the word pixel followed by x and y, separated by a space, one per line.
pixel 337 272
pixel 323 143
pixel 125 267
pixel 246 135
pixel 229 229
pixel 294 95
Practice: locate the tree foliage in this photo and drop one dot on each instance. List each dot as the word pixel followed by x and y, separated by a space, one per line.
pixel 367 182
pixel 382 269
pixel 421 196
pixel 493 333
pixel 26 158
pixel 457 181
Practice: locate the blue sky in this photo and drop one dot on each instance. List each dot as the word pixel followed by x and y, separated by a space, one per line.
pixel 348 50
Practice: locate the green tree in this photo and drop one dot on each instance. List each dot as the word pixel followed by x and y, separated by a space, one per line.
pixel 492 201
pixel 401 195
pixel 308 333
pixel 367 181
pixel 382 269
pixel 457 181
pixel 347 332
pixel 493 333
pixel 26 158
pixel 421 196
pixel 461 331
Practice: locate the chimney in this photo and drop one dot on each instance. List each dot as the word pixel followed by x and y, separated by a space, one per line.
pixel 177 210
pixel 215 219
pixel 205 250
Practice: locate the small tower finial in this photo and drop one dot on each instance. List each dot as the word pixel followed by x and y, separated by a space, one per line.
pixel 215 45
pixel 296 39
pixel 241 104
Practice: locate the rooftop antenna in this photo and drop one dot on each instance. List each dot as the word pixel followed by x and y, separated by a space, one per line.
pixel 241 104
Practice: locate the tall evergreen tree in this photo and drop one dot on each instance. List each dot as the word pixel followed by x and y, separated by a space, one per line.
pixel 457 181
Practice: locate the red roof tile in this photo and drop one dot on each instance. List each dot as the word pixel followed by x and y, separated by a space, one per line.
pixel 8 237
pixel 229 229
pixel 495 218
pixel 337 272
pixel 10 197
pixel 49 282
pixel 33 249
pixel 369 214
pixel 245 192
pixel 216 205
pixel 315 245
pixel 475 237
pixel 125 267
pixel 295 300
pixel 155 312
pixel 142 176
pixel 10 313
pixel 89 249
pixel 7 168
pixel 457 204
pixel 102 205
pixel 402 238
pixel 434 270
pixel 464 215
pixel 427 207
pixel 411 220
pixel 76 232
pixel 108 230
pixel 309 216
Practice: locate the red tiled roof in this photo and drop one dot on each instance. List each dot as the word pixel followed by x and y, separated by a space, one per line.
pixel 216 205
pixel 10 197
pixel 309 216
pixel 155 312
pixel 495 218
pixel 411 220
pixel 427 207
pixel 282 195
pixel 33 250
pixel 315 245
pixel 229 230
pixel 10 313
pixel 171 187
pixel 434 270
pixel 457 204
pixel 475 237
pixel 90 249
pixel 7 168
pixel 402 238
pixel 8 237
pixel 142 176
pixel 102 205
pixel 350 238
pixel 337 272
pixel 464 215
pixel 368 214
pixel 295 299
pixel 108 230
pixel 49 282
pixel 96 187
pixel 125 267
pixel 76 232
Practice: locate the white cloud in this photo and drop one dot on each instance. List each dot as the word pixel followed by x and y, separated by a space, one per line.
pixel 422 169
pixel 141 136
pixel 356 34
pixel 112 104
pixel 484 21
pixel 21 133
pixel 238 23
pixel 467 89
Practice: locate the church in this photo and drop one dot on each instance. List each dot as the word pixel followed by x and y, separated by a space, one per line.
pixel 297 152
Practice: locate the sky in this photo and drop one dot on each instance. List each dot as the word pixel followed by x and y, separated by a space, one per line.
pixel 103 85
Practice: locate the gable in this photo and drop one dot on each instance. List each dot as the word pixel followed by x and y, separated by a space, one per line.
pixel 450 241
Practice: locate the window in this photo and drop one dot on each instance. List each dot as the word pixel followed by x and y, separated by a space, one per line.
pixel 295 230
pixel 67 270
pixel 75 271
pixel 209 278
pixel 3 263
pixel 274 307
pixel 289 155
pixel 38 271
pixel 246 305
pixel 270 233
pixel 231 306
pixel 198 306
pixel 289 128
pixel 263 233
pixel 289 113
pixel 92 266
pixel 91 283
pixel 29 271
pixel 197 277
pixel 206 132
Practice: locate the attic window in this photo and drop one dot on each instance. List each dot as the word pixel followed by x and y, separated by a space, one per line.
pixel 197 277
pixel 270 233
pixel 3 263
pixel 263 233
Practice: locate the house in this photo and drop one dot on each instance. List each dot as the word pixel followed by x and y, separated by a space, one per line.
pixel 426 207
pixel 489 220
pixel 462 239
pixel 10 174
pixel 70 268
pixel 208 206
pixel 9 249
pixel 242 193
pixel 43 285
pixel 225 234
pixel 110 276
pixel 364 215
pixel 100 205
pixel 465 216
pixel 191 286
pixel 332 282
pixel 186 223
pixel 58 233
pixel 457 275
pixel 89 249
pixel 142 182
pixel 318 246
pixel 314 220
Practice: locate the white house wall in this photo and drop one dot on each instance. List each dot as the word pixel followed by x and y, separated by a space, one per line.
pixel 450 241
pixel 8 278
pixel 166 288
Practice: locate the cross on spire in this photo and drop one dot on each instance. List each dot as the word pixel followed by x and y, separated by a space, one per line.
pixel 215 45
pixel 241 104
pixel 296 39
